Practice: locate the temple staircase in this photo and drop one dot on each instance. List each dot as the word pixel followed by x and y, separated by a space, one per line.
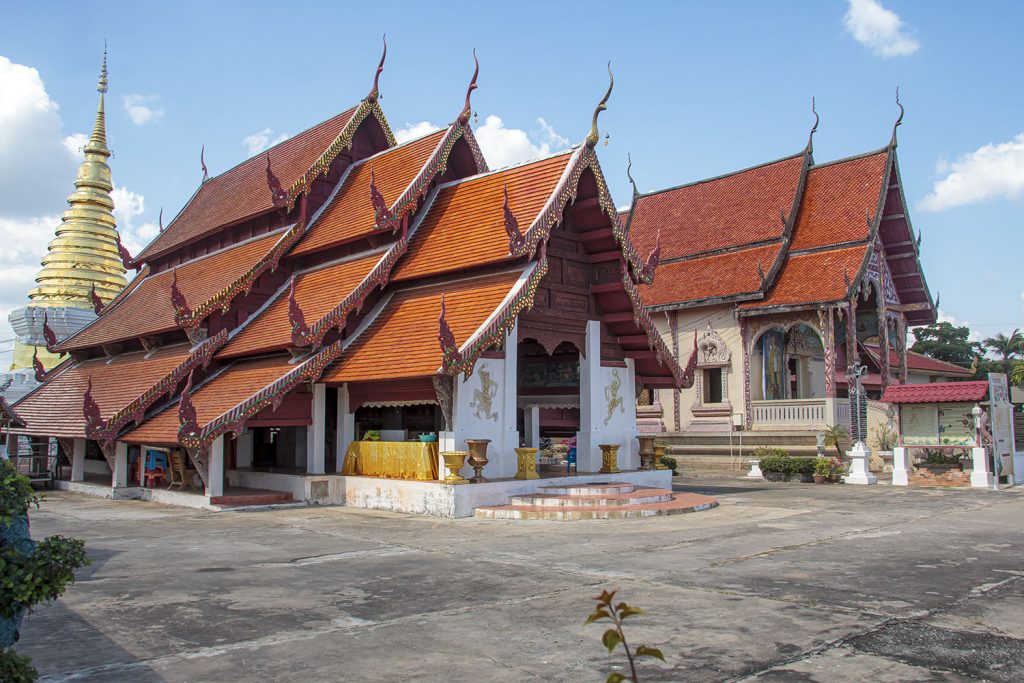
pixel 731 451
pixel 598 500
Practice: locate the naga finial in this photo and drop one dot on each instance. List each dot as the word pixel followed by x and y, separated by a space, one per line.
pixel 899 120
pixel 101 87
pixel 202 161
pixel 48 334
pixel 160 219
pixel 37 366
pixel 97 302
pixel 466 109
pixel 814 128
pixel 594 135
pixel 450 355
pixel 187 410
pixel 374 92
pixel 629 174
pixel 277 194
pixel 516 242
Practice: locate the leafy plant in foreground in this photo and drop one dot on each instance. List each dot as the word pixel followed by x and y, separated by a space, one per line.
pixel 613 637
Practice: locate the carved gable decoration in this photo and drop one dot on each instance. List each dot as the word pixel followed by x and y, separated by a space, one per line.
pixel 712 350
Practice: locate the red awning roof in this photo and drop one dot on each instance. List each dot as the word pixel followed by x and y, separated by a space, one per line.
pixel 942 392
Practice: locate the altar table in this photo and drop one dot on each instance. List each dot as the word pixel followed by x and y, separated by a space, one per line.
pixel 393 459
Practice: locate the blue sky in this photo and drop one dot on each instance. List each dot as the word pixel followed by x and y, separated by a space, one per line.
pixel 701 89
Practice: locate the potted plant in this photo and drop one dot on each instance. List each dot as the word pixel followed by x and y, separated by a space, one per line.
pixel 836 436
pixel 371 435
pixel 827 470
pixel 885 439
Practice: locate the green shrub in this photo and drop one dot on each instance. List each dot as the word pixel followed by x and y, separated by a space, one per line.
pixel 778 460
pixel 669 462
pixel 15 668
pixel 828 467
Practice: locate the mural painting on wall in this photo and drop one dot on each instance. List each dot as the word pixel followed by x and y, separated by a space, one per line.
pixel 774 372
pixel 483 398
pixel 550 374
pixel 867 324
pixel 611 395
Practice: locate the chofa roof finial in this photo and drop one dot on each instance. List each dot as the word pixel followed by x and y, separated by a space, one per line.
pixel 594 135
pixel 466 108
pixel 814 128
pixel 899 121
pixel 374 91
pixel 629 174
pixel 202 161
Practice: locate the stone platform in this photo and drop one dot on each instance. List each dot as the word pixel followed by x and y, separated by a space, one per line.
pixel 597 500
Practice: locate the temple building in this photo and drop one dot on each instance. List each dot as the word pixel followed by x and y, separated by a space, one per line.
pixel 324 319
pixel 82 270
pixel 784 278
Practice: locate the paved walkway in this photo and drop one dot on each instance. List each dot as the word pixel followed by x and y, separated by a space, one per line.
pixel 781 582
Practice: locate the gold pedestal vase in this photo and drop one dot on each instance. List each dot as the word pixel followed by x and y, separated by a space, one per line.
pixel 454 460
pixel 477 458
pixel 527 463
pixel 659 453
pixel 646 451
pixel 609 458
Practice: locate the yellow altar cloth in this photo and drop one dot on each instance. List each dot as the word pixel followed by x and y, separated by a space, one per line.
pixel 393 459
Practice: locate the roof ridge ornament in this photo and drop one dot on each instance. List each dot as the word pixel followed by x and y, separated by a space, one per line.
pixel 594 134
pixel 91 410
pixel 466 108
pixel 202 162
pixel 652 259
pixel 629 174
pixel 126 257
pixel 37 366
pixel 516 242
pixel 450 356
pixel 187 411
pixel 899 121
pixel 374 93
pixel 160 220
pixel 814 128
pixel 97 302
pixel 48 335
pixel 383 218
pixel 295 316
pixel 277 193
pixel 177 298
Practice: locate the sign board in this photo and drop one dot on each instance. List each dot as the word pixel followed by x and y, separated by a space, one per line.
pixel 919 424
pixel 1001 425
pixel 956 424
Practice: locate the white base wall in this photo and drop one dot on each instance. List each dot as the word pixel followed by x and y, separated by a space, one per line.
pixel 158 495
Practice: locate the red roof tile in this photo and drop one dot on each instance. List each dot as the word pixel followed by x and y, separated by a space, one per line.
pixel 836 201
pixel 317 292
pixel 220 394
pixel 55 408
pixel 242 192
pixel 940 392
pixel 735 209
pixel 148 309
pixel 709 277
pixel 350 213
pixel 922 363
pixel 813 278
pixel 402 341
pixel 465 225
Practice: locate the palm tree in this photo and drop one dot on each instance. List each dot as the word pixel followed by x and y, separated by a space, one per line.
pixel 1006 347
pixel 836 435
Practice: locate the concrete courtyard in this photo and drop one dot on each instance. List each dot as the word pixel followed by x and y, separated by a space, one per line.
pixel 784 582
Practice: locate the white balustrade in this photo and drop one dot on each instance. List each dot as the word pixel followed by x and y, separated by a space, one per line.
pixel 797 413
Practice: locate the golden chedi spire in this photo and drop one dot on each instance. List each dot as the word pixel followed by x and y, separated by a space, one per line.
pixel 81 259
pixel 84 254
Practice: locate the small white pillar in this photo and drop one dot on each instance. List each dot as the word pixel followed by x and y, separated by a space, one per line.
pixel 531 425
pixel 900 466
pixel 981 476
pixel 119 478
pixel 504 451
pixel 755 470
pixel 243 450
pixel 346 427
pixel 318 431
pixel 859 472
pixel 588 439
pixel 78 460
pixel 215 468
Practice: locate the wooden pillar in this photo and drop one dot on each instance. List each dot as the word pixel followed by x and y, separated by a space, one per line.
pixel 901 346
pixel 748 405
pixel 678 424
pixel 852 357
pixel 318 430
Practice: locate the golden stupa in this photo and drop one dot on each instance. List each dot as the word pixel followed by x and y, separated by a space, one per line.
pixel 84 255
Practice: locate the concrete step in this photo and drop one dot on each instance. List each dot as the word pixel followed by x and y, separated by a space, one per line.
pixel 251 497
pixel 678 503
pixel 639 496
pixel 591 488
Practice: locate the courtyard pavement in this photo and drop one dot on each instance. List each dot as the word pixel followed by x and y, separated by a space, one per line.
pixel 782 582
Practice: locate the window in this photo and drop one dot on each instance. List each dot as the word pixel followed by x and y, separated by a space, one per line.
pixel 712 385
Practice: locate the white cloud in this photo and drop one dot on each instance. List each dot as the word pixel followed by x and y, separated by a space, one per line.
pixel 414 130
pixel 143 109
pixel 503 146
pixel 74 144
pixel 262 140
pixel 128 206
pixel 992 171
pixel 878 29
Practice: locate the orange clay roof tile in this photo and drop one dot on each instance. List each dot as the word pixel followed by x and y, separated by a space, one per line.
pixel 709 277
pixel 813 278
pixel 242 191
pixel 401 341
pixel 465 225
pixel 222 393
pixel 735 209
pixel 55 408
pixel 350 214
pixel 148 309
pixel 317 292
pixel 837 199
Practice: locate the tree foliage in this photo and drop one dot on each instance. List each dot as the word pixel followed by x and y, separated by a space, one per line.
pixel 947 342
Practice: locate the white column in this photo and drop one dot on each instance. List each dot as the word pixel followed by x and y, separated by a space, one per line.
pixel 900 466
pixel 119 476
pixel 318 431
pixel 243 450
pixel 981 476
pixel 531 424
pixel 78 460
pixel 346 426
pixel 215 476
pixel 504 451
pixel 588 455
pixel 859 472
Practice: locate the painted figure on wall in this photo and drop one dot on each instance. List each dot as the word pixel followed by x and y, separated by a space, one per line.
pixel 483 398
pixel 774 372
pixel 611 395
